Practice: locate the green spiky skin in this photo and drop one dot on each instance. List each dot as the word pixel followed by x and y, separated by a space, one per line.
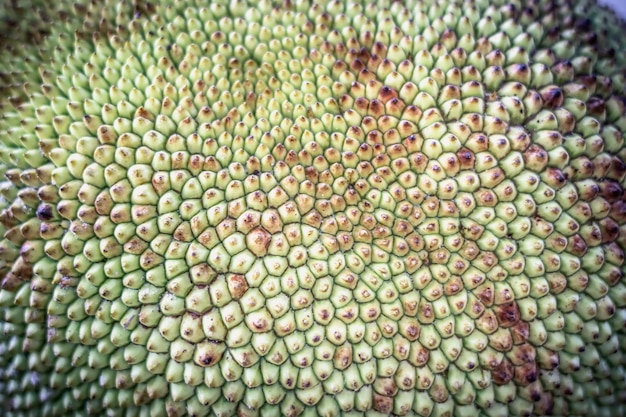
pixel 336 208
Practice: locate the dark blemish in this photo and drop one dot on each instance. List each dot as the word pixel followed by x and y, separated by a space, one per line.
pixel 44 212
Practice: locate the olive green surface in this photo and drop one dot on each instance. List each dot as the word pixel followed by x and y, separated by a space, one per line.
pixel 341 208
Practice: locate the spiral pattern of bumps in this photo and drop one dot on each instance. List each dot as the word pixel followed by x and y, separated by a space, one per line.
pixel 336 208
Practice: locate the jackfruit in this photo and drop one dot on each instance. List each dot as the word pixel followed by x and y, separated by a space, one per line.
pixel 329 208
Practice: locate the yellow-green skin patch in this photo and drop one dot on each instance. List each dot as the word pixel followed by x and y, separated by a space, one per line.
pixel 321 209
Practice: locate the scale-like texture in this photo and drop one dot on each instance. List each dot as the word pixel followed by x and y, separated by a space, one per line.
pixel 337 208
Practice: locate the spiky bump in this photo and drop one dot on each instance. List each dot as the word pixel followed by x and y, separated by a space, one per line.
pixel 320 209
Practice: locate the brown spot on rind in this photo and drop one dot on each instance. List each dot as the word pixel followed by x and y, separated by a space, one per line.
pixel 526 373
pixel 508 314
pixel 554 178
pixel 258 241
pixel 207 360
pixel 552 96
pixel 486 198
pixel 45 212
pixel 535 157
pixel 343 356
pixel 617 170
pixel 610 230
pixel 522 353
pixel 237 285
pixel 383 404
pixel 455 284
pixel 596 107
pixel 376 109
pixel 485 293
pixel 379 49
pixel 612 191
pixel 502 373
pixel 520 332
pixel 387 93
pixel 11 282
pixel 438 392
pixel 545 405
pixel 412 331
pixel 618 211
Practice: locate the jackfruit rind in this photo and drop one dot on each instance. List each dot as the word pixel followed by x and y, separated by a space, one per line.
pixel 331 208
